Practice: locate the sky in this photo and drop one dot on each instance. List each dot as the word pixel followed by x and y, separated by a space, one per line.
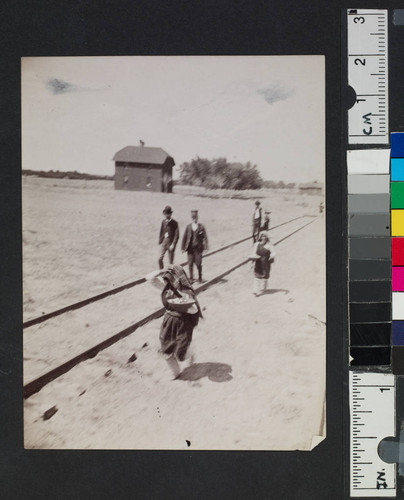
pixel 77 112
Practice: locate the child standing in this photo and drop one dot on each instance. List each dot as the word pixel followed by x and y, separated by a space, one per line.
pixel 263 256
pixel 267 221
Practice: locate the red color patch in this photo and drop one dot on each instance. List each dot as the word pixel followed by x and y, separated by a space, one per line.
pixel 397 251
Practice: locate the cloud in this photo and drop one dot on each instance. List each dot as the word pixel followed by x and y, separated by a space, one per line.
pixel 276 92
pixel 58 86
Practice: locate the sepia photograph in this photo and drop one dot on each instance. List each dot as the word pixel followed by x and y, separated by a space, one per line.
pixel 174 236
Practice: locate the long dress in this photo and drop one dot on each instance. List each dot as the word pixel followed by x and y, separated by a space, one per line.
pixel 262 265
pixel 176 329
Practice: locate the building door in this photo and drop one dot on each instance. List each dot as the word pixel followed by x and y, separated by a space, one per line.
pixel 125 178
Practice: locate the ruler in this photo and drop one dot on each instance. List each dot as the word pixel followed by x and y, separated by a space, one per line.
pixel 368 76
pixel 372 412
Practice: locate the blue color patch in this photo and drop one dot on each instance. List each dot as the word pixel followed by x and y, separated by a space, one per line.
pixel 398 332
pixel 397 169
pixel 397 145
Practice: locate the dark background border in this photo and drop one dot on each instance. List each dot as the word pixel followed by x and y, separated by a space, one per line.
pixel 167 27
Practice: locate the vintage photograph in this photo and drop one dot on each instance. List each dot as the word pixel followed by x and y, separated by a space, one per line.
pixel 174 278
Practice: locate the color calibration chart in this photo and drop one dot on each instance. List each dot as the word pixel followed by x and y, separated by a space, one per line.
pixel 375 185
pixel 397 251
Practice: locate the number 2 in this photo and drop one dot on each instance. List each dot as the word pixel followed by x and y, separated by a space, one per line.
pixel 360 61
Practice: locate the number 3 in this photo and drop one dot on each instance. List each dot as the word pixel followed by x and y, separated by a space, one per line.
pixel 359 19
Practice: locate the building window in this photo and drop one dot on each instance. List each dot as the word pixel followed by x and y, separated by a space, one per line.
pixel 149 182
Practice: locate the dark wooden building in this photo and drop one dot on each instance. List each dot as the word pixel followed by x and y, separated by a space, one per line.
pixel 140 168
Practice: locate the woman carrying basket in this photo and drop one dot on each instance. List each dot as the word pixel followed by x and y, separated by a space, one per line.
pixel 182 313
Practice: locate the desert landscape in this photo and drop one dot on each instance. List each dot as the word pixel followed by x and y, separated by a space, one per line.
pixel 258 380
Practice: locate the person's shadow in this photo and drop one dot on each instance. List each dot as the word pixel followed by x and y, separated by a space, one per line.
pixel 270 291
pixel 217 372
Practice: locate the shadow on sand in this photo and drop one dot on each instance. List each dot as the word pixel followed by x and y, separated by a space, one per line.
pixel 217 372
pixel 270 291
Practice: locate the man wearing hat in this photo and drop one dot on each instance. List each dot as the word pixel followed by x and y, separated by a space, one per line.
pixel 195 242
pixel 169 235
pixel 257 217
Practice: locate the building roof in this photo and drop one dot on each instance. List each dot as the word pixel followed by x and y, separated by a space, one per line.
pixel 142 154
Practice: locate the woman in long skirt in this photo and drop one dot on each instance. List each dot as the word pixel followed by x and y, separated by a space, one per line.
pixel 182 313
pixel 263 256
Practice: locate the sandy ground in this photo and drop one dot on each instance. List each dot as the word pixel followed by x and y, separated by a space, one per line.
pixel 258 380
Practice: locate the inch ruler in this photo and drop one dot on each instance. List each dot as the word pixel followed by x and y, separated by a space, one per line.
pixel 368 75
pixel 372 415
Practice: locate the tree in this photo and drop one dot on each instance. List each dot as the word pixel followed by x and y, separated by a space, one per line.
pixel 220 174
pixel 195 172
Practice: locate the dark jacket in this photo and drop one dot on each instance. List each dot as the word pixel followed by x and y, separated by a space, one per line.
pixel 171 227
pixel 201 238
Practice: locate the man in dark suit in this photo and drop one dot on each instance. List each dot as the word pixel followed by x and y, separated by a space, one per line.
pixel 195 242
pixel 169 235
pixel 256 222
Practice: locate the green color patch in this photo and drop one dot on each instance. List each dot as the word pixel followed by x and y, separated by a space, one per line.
pixel 397 195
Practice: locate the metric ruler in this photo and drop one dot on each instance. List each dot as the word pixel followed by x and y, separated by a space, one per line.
pixel 368 76
pixel 372 415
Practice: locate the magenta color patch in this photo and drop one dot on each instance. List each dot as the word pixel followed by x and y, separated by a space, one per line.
pixel 398 279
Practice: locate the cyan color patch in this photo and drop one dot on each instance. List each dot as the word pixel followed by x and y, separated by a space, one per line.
pixel 397 145
pixel 397 169
pixel 398 332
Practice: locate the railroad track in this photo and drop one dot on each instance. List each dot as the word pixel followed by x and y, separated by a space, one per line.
pixel 139 281
pixel 38 383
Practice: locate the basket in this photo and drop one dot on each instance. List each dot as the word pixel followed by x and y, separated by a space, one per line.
pixel 181 304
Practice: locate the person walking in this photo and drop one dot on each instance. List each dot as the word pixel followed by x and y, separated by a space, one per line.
pixel 195 242
pixel 182 314
pixel 256 223
pixel 263 256
pixel 168 238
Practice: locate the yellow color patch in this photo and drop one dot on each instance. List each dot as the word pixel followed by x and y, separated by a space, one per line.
pixel 397 222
